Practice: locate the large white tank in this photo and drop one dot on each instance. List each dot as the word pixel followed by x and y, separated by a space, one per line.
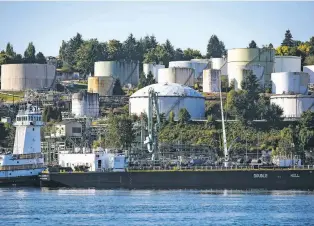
pixel 287 64
pixel 250 58
pixel 197 64
pixel 18 77
pixel 85 104
pixel 293 105
pixel 290 83
pixel 220 64
pixel 211 79
pixel 153 68
pixel 310 70
pixel 183 76
pixel 171 97
pixel 127 72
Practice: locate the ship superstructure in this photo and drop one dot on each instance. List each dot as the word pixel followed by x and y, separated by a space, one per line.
pixel 23 165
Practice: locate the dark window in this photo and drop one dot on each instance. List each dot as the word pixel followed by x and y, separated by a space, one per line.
pixel 76 130
pixel 99 164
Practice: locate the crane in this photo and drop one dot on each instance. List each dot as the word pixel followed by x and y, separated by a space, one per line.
pixel 153 128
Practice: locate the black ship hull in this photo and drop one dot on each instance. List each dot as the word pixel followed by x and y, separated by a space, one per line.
pixel 27 181
pixel 279 179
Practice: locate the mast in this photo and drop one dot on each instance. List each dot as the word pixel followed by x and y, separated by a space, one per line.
pixel 223 127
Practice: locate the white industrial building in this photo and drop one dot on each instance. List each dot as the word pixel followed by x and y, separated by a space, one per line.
pixel 197 64
pixel 98 161
pixel 310 70
pixel 293 105
pixel 19 77
pixel 290 83
pixel 259 61
pixel 126 71
pixel 171 97
pixel 85 104
pixel 183 76
pixel 153 68
pixel 211 80
pixel 287 64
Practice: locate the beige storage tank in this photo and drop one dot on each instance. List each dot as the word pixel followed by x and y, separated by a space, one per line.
pixel 183 76
pixel 250 58
pixel 19 77
pixel 126 71
pixel 211 80
pixel 101 85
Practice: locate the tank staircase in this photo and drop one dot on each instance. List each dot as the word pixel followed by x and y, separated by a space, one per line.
pixel 128 78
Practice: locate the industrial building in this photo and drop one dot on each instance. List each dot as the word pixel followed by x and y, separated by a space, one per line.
pixel 287 64
pixel 67 128
pixel 183 76
pixel 101 85
pixel 20 77
pixel 211 80
pixel 171 97
pixel 197 64
pixel 85 104
pixel 293 105
pixel 290 83
pixel 259 61
pixel 153 68
pixel 310 70
pixel 126 71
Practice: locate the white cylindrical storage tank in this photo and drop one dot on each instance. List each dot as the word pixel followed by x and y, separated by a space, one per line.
pixel 310 70
pixel 197 64
pixel 126 71
pixel 85 104
pixel 287 64
pixel 220 64
pixel 153 68
pixel 290 83
pixel 293 105
pixel 183 76
pixel 171 97
pixel 250 58
pixel 211 80
pixel 18 77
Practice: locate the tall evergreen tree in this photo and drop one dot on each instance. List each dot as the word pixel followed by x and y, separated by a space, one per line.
pixel 288 41
pixel 40 58
pixel 215 47
pixel 9 50
pixel 29 54
pixel 252 44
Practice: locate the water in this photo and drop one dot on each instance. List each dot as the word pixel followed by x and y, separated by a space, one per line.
pixel 27 206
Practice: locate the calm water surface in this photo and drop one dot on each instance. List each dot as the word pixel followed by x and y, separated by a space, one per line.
pixel 25 206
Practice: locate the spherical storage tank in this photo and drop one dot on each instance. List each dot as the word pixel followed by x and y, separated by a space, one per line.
pixel 126 71
pixel 287 64
pixel 293 105
pixel 153 68
pixel 290 82
pixel 18 77
pixel 183 76
pixel 85 104
pixel 171 97
pixel 310 70
pixel 254 59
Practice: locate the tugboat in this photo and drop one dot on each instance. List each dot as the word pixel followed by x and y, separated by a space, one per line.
pixel 22 166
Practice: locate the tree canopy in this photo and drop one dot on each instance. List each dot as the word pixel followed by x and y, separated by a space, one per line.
pixel 215 47
pixel 252 44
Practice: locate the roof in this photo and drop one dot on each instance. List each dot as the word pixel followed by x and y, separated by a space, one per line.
pixel 168 89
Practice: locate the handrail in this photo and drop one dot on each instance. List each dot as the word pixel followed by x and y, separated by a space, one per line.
pixel 21 167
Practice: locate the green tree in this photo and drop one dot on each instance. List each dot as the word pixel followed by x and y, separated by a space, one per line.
pixel 215 47
pixel 311 42
pixel 309 60
pixel 251 85
pixel 142 83
pixel 171 117
pixel 40 58
pixel 150 78
pixel 115 50
pixel 192 54
pixel 252 44
pixel 29 54
pixel 10 51
pixel 184 116
pixel 117 89
pixel 178 54
pixel 88 53
pixel 169 49
pixel 288 41
pixel 67 51
pixel 131 48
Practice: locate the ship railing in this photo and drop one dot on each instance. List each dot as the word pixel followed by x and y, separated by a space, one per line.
pixel 213 168
pixel 21 167
pixel 27 156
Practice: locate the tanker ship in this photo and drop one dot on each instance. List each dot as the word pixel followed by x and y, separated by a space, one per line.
pixel 105 170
